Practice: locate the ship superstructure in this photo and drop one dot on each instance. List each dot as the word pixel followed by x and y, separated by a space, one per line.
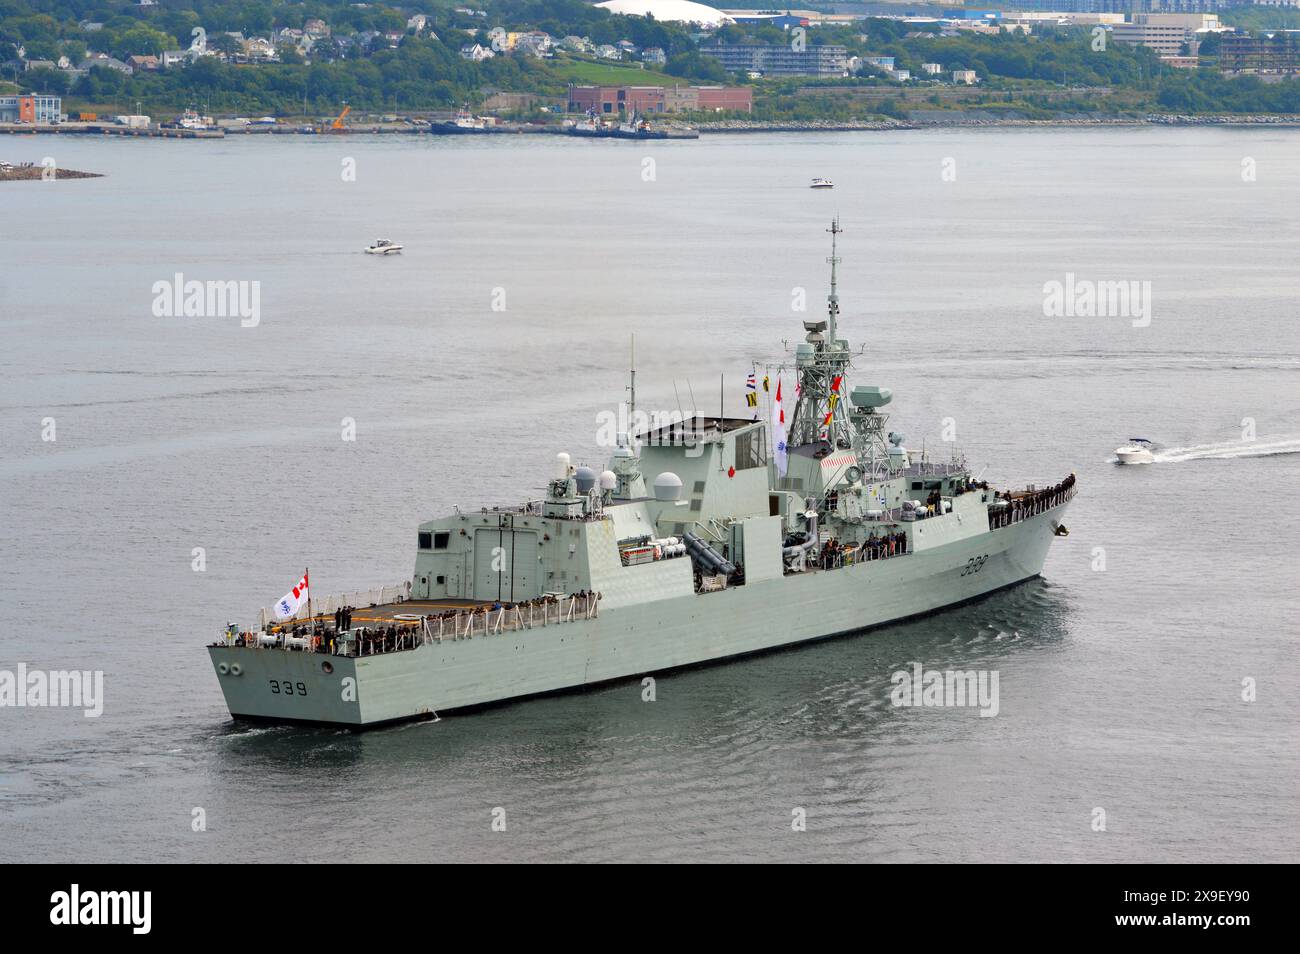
pixel 701 539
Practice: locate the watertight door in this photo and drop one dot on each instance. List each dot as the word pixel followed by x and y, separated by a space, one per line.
pixel 505 564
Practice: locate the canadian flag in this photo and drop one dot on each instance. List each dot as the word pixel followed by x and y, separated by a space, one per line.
pixel 290 603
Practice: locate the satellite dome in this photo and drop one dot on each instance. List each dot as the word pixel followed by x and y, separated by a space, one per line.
pixel 608 480
pixel 668 486
pixel 669 11
pixel 586 478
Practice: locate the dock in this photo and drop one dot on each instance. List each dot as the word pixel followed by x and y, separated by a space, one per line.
pixel 299 129
pixel 110 129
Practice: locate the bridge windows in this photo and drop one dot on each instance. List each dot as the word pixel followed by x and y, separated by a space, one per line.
pixel 434 541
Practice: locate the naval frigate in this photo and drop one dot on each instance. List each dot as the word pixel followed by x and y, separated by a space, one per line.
pixel 706 538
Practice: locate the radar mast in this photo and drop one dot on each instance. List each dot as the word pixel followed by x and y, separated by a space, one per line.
pixel 819 414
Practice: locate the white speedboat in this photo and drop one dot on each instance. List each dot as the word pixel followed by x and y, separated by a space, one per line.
pixel 1136 451
pixel 822 184
pixel 383 247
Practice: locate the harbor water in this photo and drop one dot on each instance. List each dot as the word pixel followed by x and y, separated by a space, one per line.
pixel 165 475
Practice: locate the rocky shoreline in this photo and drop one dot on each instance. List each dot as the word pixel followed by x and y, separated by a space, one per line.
pixel 965 119
pixel 29 173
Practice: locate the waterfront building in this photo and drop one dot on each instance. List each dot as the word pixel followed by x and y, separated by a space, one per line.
pixel 36 109
pixel 782 60
pixel 613 100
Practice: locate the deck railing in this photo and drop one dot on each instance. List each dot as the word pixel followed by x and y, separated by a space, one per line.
pixel 412 633
pixel 1030 504
pixel 325 606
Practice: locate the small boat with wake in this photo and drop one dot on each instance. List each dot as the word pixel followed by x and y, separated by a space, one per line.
pixel 384 247
pixel 1136 451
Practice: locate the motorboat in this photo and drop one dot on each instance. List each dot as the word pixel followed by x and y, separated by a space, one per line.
pixel 822 184
pixel 383 247
pixel 1136 451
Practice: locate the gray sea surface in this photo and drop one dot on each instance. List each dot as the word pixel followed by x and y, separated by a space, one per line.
pixel 1122 670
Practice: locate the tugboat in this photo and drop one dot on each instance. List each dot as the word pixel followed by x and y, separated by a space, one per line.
pixel 702 539
pixel 384 247
pixel 465 123
pixel 190 119
pixel 637 128
pixel 591 127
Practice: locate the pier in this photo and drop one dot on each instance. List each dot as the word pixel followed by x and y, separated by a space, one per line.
pixel 221 131
pixel 110 129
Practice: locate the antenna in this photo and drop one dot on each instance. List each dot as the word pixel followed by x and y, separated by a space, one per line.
pixel 833 299
pixel 631 387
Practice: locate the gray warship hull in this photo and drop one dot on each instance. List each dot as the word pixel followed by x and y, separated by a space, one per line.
pixel 705 539
pixel 455 672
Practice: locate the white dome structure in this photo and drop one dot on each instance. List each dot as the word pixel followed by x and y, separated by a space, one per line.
pixel 669 11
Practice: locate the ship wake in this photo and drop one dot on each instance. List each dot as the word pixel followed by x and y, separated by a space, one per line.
pixel 1228 450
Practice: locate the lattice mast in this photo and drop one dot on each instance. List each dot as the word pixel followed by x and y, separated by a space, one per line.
pixel 821 414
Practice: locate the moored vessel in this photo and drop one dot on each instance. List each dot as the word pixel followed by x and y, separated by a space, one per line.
pixel 463 123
